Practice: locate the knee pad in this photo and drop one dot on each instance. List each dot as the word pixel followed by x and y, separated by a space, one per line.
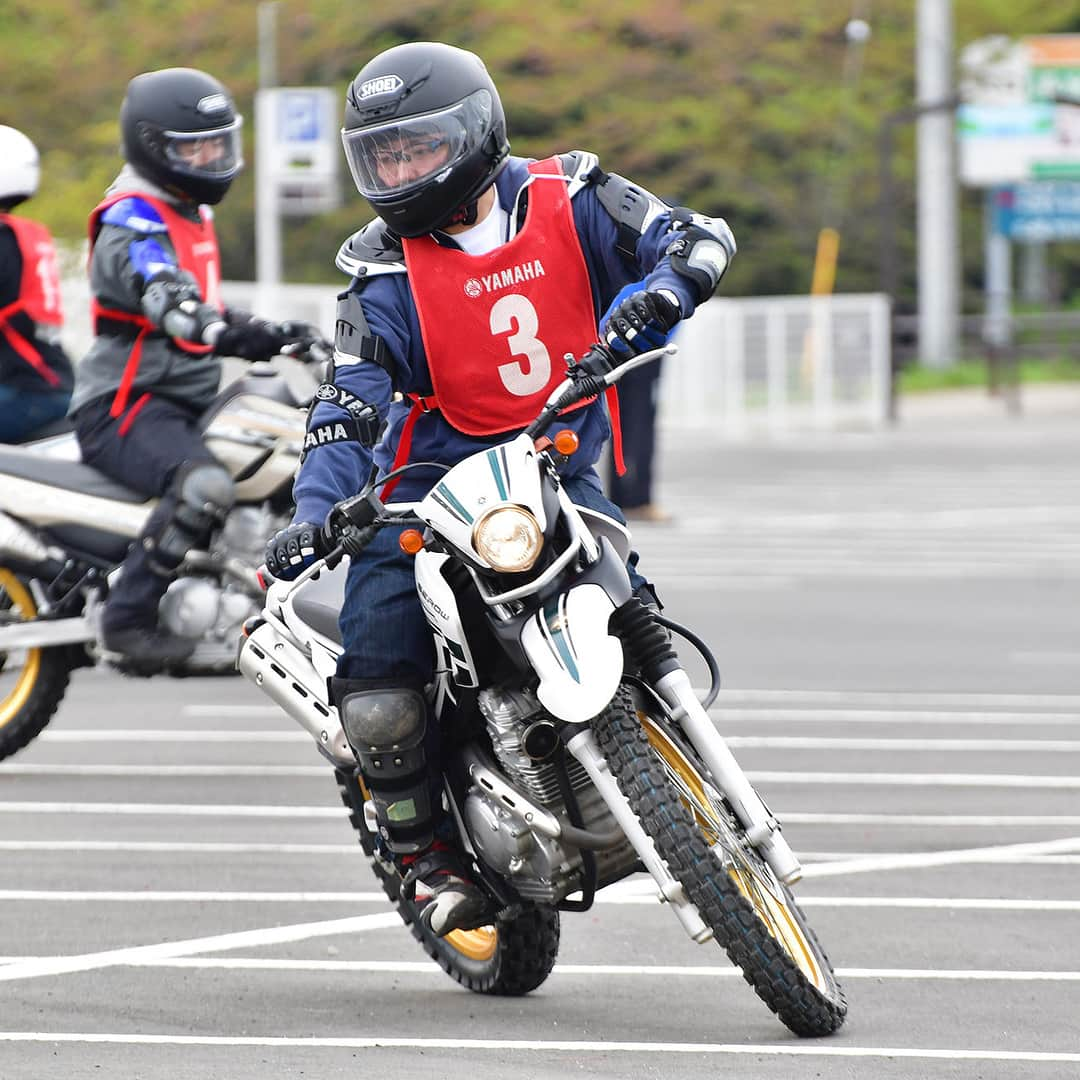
pixel 385 727
pixel 200 497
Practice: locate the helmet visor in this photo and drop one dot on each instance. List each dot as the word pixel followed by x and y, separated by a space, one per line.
pixel 212 154
pixel 395 158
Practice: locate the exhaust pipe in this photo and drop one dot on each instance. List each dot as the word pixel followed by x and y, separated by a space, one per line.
pixel 286 676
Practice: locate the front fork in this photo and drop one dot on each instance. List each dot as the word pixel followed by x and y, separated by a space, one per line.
pixel 649 647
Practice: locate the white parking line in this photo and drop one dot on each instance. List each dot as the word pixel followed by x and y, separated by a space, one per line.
pixel 645 895
pixel 860 779
pixel 694 971
pixel 280 771
pixel 873 779
pixel 177 846
pixel 178 735
pixel 975 821
pixel 900 717
pixel 904 700
pixel 244 939
pixel 935 746
pixel 1010 855
pixel 810 1050
pixel 920 860
pixel 171 809
pixel 225 810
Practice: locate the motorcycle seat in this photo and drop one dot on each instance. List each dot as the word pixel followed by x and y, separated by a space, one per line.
pixel 69 475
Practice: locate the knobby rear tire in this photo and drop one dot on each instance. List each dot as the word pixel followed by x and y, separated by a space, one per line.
pixel 510 959
pixel 765 964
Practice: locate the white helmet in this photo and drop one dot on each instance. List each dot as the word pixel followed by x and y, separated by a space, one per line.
pixel 19 169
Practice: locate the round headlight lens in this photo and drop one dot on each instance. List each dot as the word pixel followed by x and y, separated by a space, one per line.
pixel 508 539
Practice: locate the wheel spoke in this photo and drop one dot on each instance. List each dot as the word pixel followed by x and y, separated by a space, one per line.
pixel 753 878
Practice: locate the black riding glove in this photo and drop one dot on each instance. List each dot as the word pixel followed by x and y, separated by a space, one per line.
pixel 293 549
pixel 253 340
pixel 640 322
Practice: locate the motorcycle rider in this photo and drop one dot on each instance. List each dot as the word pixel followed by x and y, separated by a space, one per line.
pixel 481 272
pixel 35 372
pixel 161 329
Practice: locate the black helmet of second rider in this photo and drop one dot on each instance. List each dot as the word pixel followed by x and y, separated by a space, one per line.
pixel 181 131
pixel 424 135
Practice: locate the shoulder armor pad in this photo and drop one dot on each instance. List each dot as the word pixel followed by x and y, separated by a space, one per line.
pixel 374 249
pixel 577 165
pixel 631 206
pixel 135 214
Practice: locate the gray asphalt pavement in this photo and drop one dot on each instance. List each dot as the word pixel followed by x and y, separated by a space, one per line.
pixel 897 623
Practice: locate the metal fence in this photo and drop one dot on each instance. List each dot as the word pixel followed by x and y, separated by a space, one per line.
pixel 781 363
pixel 746 366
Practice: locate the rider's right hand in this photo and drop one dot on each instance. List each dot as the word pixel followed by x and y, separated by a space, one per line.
pixel 293 549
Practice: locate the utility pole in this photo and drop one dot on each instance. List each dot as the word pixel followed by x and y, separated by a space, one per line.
pixel 938 233
pixel 267 219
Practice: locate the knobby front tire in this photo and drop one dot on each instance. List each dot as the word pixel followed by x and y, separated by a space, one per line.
pixel 509 958
pixel 32 681
pixel 754 917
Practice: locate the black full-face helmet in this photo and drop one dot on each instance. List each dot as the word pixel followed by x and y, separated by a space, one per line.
pixel 181 131
pixel 424 134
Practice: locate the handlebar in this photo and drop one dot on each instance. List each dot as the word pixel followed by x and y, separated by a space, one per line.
pixel 354 522
pixel 598 369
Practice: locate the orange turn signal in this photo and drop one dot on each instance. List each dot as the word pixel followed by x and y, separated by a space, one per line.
pixel 411 541
pixel 567 442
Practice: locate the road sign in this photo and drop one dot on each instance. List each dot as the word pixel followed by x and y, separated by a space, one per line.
pixel 1037 212
pixel 297 130
pixel 1015 127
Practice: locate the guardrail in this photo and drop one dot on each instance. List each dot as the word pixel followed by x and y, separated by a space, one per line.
pixel 772 364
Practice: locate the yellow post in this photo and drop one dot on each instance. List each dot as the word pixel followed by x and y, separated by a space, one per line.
pixel 828 247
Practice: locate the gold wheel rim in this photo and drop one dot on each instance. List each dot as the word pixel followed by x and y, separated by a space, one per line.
pixel 479 944
pixel 772 911
pixel 21 601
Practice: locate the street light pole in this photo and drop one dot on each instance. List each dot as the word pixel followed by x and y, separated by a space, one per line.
pixel 937 220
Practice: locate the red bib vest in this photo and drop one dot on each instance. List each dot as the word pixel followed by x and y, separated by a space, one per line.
pixel 195 243
pixel 39 290
pixel 497 327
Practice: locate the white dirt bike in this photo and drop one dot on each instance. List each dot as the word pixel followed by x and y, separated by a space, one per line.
pixel 578 752
pixel 65 528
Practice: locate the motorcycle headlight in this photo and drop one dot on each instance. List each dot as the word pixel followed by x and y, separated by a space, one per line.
pixel 509 539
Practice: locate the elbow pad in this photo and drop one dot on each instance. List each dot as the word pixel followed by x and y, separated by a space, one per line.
pixel 701 250
pixel 172 301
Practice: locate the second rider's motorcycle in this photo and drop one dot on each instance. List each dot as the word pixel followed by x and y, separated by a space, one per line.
pixel 65 528
pixel 576 751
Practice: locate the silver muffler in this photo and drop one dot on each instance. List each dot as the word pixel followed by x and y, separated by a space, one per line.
pixel 282 672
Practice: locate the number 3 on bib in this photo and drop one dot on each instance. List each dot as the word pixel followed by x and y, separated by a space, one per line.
pixel 514 314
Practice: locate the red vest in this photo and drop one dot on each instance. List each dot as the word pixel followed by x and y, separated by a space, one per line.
pixel 195 243
pixel 496 327
pixel 39 290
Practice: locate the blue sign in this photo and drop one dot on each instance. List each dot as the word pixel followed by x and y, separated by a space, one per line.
pixel 1044 210
pixel 299 116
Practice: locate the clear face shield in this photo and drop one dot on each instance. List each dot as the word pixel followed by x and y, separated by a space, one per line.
pixel 209 154
pixel 395 158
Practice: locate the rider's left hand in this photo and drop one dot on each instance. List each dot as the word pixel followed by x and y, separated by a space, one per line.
pixel 293 549
pixel 641 321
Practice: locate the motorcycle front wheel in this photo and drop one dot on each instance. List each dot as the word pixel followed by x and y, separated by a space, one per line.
pixel 32 681
pixel 512 956
pixel 753 915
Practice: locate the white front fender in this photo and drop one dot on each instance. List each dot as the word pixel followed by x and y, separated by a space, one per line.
pixel 578 661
